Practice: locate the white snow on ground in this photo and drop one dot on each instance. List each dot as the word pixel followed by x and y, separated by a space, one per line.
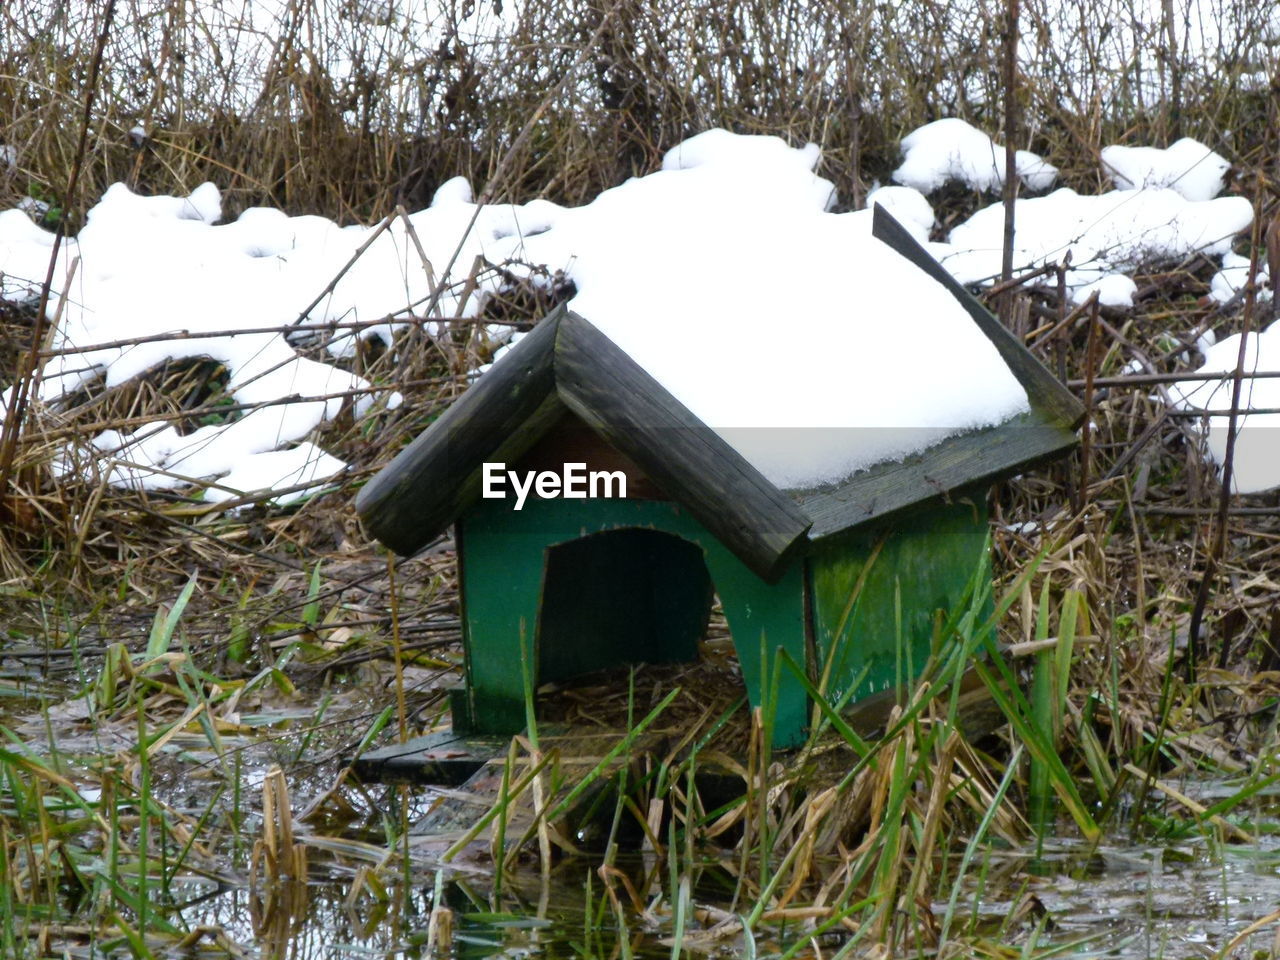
pixel 951 149
pixel 1106 236
pixel 1256 460
pixel 149 266
pixel 24 256
pixel 779 166
pixel 1229 282
pixel 152 266
pixel 906 205
pixel 304 466
pixel 1188 166
pixel 814 349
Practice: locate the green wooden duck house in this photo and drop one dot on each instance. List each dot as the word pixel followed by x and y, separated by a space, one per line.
pixel 580 579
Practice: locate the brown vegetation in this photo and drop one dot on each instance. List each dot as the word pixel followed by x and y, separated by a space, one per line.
pixel 585 95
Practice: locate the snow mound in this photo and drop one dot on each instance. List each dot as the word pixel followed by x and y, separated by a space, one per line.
pixel 1229 282
pixel 1187 166
pixel 1113 290
pixel 120 205
pixel 24 256
pixel 906 205
pixel 951 149
pixel 775 165
pixel 1106 235
pixel 1256 460
pixel 158 269
pixel 155 267
pixel 305 467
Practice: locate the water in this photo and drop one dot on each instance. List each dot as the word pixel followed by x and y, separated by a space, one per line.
pixel 1125 902
pixel 1135 901
pixel 1185 897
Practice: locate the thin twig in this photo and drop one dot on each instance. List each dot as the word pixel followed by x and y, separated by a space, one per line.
pixel 1010 192
pixel 1155 379
pixel 1086 431
pixel 29 371
pixel 1219 541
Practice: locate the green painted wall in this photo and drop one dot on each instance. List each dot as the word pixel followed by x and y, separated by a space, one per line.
pixel 614 598
pixel 503 561
pixel 880 638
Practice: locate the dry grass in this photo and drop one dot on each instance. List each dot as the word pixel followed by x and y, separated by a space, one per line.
pixel 347 115
pixel 301 591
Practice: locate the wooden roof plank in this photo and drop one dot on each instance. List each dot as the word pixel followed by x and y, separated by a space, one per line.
pixel 983 456
pixel 429 483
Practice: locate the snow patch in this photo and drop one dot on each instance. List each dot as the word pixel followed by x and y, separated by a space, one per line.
pixel 951 149
pixel 1229 282
pixel 24 256
pixel 906 205
pixel 155 267
pixel 1106 235
pixel 305 466
pixel 1256 458
pixel 1188 166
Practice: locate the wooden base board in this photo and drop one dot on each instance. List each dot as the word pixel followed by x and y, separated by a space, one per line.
pixel 442 758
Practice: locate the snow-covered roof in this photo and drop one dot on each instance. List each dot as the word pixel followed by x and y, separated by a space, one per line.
pixel 813 348
pixel 569 367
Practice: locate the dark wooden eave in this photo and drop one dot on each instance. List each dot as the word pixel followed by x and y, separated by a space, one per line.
pixel 433 480
pixel 566 364
pixel 966 460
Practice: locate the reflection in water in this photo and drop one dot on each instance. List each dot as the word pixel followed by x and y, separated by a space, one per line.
pixel 561 918
pixel 1184 899
pixel 1134 902
pixel 1127 902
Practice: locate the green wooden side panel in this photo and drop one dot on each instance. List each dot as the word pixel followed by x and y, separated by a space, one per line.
pixel 504 559
pixel 500 584
pixel 925 562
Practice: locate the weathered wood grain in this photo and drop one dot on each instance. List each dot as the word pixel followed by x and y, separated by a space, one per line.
pixel 983 456
pixel 424 489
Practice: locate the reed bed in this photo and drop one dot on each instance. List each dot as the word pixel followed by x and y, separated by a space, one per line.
pixel 157 641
